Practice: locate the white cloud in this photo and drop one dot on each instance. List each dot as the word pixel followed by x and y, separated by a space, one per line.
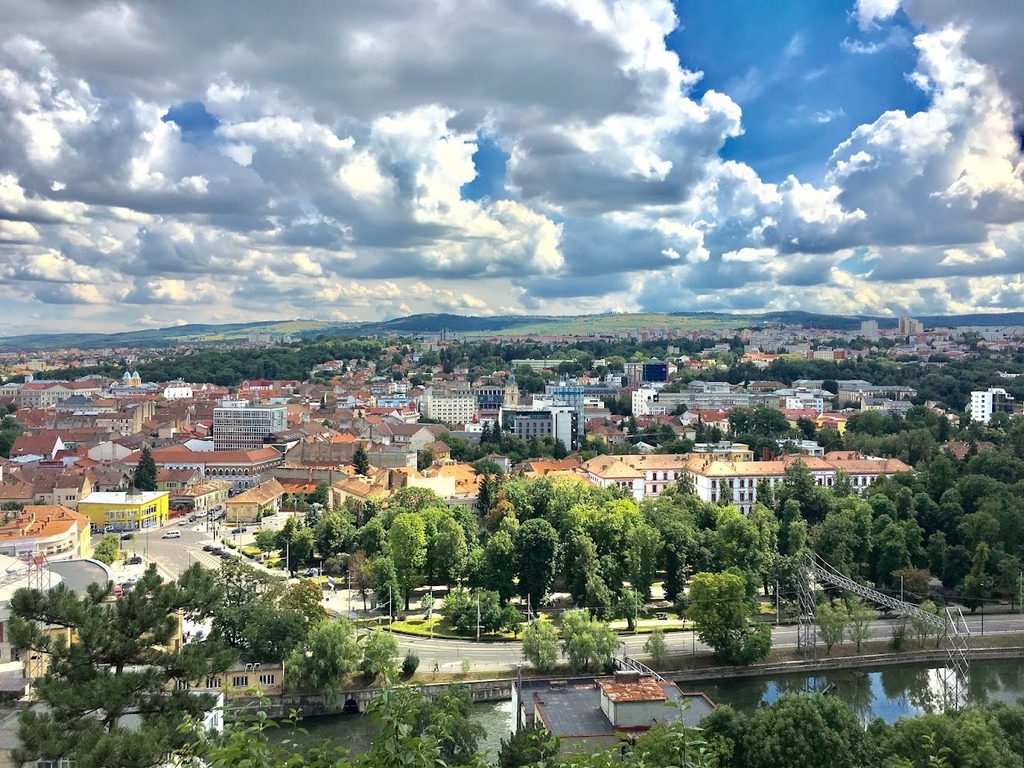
pixel 869 12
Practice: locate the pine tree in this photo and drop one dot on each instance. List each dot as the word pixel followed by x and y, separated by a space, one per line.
pixel 109 696
pixel 361 461
pixel 145 473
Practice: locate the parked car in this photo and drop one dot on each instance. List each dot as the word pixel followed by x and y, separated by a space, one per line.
pixel 226 554
pixel 311 572
pixel 216 551
pixel 200 514
pixel 126 536
pixel 239 529
pixel 171 535
pixel 208 547
pixel 135 560
pixel 184 521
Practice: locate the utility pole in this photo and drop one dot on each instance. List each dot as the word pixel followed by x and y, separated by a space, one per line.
pixel 478 617
pixel 777 602
pixel 636 610
pixel 1020 591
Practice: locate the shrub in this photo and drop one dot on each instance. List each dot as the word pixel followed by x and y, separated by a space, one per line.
pixel 410 664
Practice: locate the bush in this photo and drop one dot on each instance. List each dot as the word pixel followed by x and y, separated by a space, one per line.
pixel 410 664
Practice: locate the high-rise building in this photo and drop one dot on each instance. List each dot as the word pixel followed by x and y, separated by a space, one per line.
pixel 869 330
pixel 241 426
pixel 542 419
pixel 984 403
pixel 908 326
pixel 455 405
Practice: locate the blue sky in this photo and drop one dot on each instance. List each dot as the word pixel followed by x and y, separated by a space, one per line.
pixel 171 163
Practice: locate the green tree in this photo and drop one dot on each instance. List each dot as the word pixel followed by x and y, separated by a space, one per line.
pixel 540 645
pixel 589 645
pixel 978 583
pixel 529 746
pixel 832 623
pixel 380 653
pixel 328 656
pixel 361 461
pixel 447 551
pixel 719 609
pixel 107 549
pixel 321 494
pixel 144 478
pixel 643 545
pixel 536 550
pixel 921 627
pixel 656 647
pixel 118 663
pixel 407 545
pixel 861 617
pixel 500 565
pixel 797 731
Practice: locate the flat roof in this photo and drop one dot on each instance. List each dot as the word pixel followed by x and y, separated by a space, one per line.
pixel 122 497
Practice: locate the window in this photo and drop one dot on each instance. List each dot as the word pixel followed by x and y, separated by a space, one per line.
pixel 213 682
pixel 181 685
pixel 240 681
pixel 267 679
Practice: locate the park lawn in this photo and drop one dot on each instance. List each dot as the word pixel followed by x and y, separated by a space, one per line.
pixel 441 627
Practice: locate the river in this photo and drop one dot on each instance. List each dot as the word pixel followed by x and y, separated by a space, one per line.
pixel 888 692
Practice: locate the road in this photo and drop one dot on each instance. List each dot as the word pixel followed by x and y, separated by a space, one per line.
pixel 449 654
pixel 173 556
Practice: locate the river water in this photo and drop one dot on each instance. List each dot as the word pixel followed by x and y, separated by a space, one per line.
pixel 888 692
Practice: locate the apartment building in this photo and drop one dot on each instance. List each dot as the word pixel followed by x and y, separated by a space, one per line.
pixel 454 405
pixel 986 402
pixel 241 426
pixel 125 511
pixel 542 419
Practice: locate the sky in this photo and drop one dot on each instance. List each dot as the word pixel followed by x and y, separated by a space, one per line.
pixel 166 163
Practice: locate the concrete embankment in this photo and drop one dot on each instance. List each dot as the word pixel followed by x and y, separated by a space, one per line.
pixel 314 705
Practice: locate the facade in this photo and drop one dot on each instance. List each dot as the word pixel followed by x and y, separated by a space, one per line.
pixel 253 505
pixel 712 480
pixel 243 469
pixel 984 403
pixel 542 420
pixel 491 398
pixel 869 329
pixel 51 531
pixel 125 511
pixel 908 326
pixel 201 496
pixel 241 426
pixel 568 393
pixel 451 406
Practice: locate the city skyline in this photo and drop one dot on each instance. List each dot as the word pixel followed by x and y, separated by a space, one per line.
pixel 183 163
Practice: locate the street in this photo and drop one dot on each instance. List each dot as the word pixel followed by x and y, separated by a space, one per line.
pixel 172 556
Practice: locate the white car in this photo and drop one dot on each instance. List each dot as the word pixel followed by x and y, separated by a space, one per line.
pixel 172 535
pixel 201 513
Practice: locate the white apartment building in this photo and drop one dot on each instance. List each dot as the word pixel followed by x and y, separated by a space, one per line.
pixel 451 406
pixel 542 419
pixel 648 476
pixel 241 426
pixel 983 404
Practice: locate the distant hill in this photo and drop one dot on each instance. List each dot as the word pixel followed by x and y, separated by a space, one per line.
pixel 464 324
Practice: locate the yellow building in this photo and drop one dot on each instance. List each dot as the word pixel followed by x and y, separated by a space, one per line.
pixel 253 505
pixel 119 511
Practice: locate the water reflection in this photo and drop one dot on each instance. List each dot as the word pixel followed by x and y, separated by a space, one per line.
pixel 889 692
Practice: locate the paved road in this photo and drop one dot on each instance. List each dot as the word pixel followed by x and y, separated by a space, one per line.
pixel 449 654
pixel 173 556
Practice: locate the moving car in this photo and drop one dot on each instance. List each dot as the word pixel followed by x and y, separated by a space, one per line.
pixel 310 572
pixel 172 535
pixel 239 529
pixel 135 560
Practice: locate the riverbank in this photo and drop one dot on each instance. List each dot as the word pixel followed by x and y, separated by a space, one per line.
pixel 699 668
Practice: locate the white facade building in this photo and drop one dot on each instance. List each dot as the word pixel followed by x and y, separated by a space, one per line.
pixel 452 406
pixel 984 403
pixel 240 426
